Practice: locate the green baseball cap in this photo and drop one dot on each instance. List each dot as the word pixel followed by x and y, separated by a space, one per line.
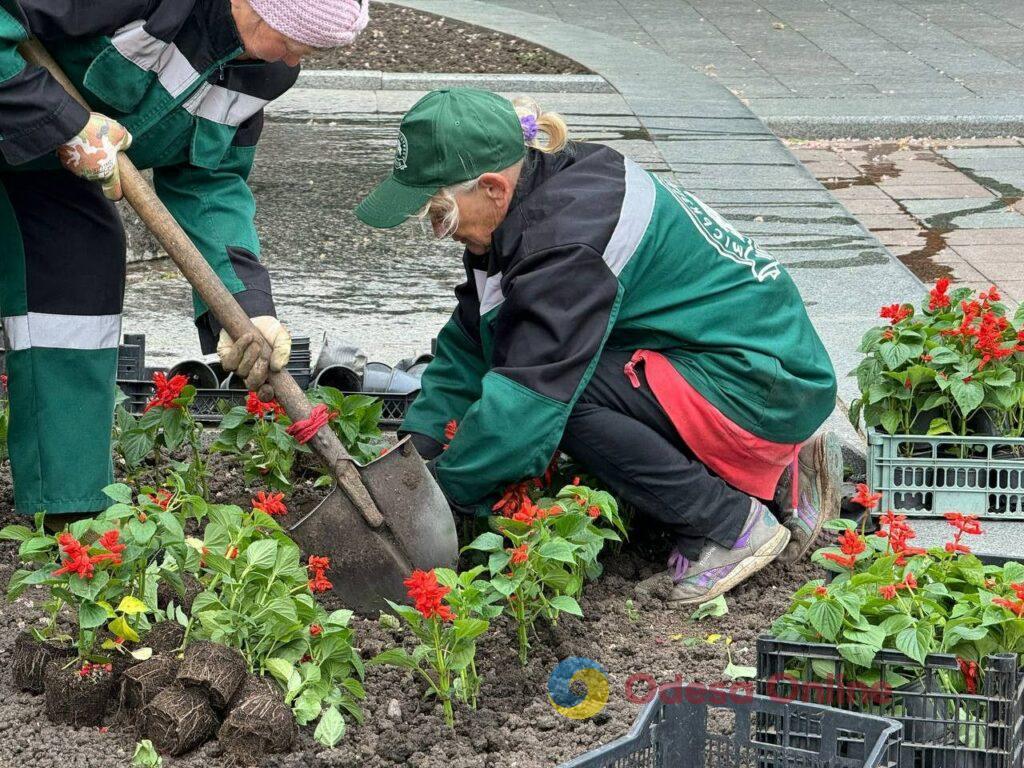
pixel 447 137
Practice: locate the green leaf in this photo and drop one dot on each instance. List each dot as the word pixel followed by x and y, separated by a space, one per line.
pixel 566 604
pixel 967 394
pixel 146 756
pixel 467 629
pixel 895 353
pixel 737 672
pixel 826 616
pixel 915 641
pixel 896 623
pixel 940 427
pixel 119 492
pixel 856 653
pixel 131 605
pixel 716 607
pixel 891 421
pixel 557 549
pixel 839 524
pixel 16 533
pixel 331 727
pixel 395 657
pixel 487 542
pixel 944 356
pixel 281 669
pixel 261 554
pixel 136 445
pixel 91 615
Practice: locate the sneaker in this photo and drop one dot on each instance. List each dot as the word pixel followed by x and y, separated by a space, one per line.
pixel 820 487
pixel 719 568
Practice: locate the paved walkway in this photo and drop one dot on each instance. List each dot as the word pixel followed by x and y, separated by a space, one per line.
pixel 825 68
pixel 723 153
pixel 942 208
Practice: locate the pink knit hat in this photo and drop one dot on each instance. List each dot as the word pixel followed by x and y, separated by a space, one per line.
pixel 319 23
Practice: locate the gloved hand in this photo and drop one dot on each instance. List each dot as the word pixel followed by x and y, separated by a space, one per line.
pixel 92 154
pixel 245 356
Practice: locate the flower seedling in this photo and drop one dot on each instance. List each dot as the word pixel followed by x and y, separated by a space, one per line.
pixel 555 545
pixel 447 642
pixel 258 433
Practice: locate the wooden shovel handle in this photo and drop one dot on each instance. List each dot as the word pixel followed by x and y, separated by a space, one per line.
pixel 222 304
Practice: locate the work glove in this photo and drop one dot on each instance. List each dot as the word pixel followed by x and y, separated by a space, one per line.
pixel 245 356
pixel 92 154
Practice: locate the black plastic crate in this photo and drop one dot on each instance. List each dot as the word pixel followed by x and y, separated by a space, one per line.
pixel 940 729
pixel 207 411
pixel 691 726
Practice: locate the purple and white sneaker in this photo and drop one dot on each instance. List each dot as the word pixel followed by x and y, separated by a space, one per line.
pixel 719 569
pixel 818 493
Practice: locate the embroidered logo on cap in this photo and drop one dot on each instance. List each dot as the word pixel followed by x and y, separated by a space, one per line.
pixel 401 153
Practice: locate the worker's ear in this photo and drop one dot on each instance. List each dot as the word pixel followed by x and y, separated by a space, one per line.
pixel 496 186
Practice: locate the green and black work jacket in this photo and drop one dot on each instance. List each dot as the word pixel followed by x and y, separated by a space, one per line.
pixel 596 252
pixel 167 71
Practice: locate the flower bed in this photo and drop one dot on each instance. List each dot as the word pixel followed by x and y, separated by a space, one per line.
pixel 514 724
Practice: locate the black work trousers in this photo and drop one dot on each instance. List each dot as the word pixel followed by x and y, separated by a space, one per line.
pixel 621 435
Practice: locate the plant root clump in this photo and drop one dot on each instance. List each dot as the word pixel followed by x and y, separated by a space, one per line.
pixel 214 668
pixel 143 682
pixel 179 719
pixel 30 658
pixel 259 724
pixel 73 699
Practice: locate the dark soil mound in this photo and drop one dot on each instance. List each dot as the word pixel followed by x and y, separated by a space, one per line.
pixel 404 40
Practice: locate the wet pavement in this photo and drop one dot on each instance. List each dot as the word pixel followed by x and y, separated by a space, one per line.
pixel 943 208
pixel 387 291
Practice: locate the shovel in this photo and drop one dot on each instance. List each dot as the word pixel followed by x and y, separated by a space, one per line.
pixel 380 521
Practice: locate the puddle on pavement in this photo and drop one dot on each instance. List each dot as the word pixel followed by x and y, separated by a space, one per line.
pixel 934 231
pixel 388 291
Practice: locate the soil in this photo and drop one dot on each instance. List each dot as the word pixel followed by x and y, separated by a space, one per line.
pixel 213 668
pixel 74 699
pixel 141 684
pixel 514 727
pixel 403 40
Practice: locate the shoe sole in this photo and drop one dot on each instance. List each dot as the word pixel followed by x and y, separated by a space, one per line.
pixel 827 461
pixel 767 553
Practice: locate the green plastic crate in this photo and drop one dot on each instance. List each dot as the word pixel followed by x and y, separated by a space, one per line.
pixel 935 480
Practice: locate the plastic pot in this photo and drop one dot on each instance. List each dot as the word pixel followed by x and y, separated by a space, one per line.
pixel 340 377
pixel 199 374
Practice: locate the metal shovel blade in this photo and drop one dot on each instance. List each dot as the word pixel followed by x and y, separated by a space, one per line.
pixel 369 564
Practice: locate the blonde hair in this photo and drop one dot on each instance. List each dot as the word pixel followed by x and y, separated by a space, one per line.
pixel 549 124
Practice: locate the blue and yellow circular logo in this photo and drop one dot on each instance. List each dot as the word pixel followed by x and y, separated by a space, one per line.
pixel 578 669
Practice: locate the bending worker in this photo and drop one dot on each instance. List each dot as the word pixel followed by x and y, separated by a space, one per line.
pixel 182 83
pixel 611 314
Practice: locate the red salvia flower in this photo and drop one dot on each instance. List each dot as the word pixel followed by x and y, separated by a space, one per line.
pixel 846 561
pixel 821 591
pixel 167 391
pixel 271 503
pixel 895 313
pixel 937 295
pixel 109 542
pixel 991 295
pixel 851 543
pixel 952 546
pixel 315 629
pixel 318 567
pixel 259 409
pixel 888 591
pixel 232 553
pixel 450 429
pixel 909 582
pixel 865 497
pixel 427 595
pixel 594 511
pixel 520 554
pixel 969 669
pixel 162 498
pixel 1014 606
pixel 305 430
